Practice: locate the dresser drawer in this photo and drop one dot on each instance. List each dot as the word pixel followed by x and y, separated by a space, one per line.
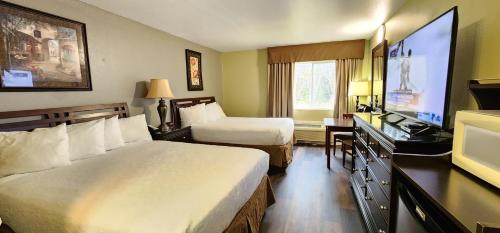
pixel 385 158
pixel 360 166
pixel 361 150
pixel 379 196
pixel 362 134
pixel 381 176
pixel 376 215
pixel 373 145
pixel 360 180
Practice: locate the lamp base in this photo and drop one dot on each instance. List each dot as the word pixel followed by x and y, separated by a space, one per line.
pixel 162 111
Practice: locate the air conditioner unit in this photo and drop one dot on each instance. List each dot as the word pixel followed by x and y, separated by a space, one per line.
pixel 310 132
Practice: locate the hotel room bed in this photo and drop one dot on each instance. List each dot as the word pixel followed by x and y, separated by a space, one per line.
pixel 153 186
pixel 272 135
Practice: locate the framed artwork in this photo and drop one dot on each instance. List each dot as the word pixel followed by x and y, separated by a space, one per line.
pixel 41 52
pixel 193 67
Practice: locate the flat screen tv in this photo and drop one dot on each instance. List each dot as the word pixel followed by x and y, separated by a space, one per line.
pixel 419 71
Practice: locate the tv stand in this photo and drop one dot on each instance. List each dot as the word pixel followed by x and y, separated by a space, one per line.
pixel 377 141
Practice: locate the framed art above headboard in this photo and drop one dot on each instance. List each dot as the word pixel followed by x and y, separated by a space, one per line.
pixel 42 51
pixel 175 104
pixel 26 120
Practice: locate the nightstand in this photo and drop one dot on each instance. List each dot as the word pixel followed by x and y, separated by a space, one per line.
pixel 176 134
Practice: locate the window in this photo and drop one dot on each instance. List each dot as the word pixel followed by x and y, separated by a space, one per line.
pixel 314 85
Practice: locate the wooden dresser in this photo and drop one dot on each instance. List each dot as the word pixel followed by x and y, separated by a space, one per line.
pixel 376 143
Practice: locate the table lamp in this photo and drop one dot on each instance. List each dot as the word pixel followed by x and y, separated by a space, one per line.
pixel 377 90
pixel 159 89
pixel 358 88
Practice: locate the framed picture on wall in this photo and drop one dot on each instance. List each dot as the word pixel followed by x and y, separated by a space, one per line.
pixel 41 52
pixel 193 67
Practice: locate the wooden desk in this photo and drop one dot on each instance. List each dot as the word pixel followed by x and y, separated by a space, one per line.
pixel 334 125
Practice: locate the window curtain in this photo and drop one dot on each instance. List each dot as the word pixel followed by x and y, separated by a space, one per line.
pixel 280 88
pixel 346 70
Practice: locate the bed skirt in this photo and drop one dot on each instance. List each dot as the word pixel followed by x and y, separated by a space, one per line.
pixel 248 219
pixel 279 155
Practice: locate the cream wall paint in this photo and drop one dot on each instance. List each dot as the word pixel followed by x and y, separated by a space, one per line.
pixel 123 55
pixel 244 76
pixel 477 49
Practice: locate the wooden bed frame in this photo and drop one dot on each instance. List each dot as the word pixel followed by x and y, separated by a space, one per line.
pixel 248 218
pixel 280 155
pixel 175 104
pixel 26 120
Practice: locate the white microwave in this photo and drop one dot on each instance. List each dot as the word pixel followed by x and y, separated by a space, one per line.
pixel 476 144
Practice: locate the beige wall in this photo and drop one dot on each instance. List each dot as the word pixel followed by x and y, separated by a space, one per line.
pixel 477 50
pixel 122 53
pixel 245 83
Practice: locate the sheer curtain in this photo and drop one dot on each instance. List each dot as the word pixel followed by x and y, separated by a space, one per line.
pixel 346 70
pixel 280 89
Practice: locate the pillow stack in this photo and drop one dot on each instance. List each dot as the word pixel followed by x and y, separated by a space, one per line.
pixel 200 113
pixel 47 148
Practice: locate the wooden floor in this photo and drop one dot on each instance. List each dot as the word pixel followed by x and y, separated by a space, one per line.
pixel 311 198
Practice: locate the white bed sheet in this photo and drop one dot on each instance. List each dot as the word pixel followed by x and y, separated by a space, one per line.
pixel 147 187
pixel 245 131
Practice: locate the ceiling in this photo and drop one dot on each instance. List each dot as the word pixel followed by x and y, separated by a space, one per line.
pixel 233 25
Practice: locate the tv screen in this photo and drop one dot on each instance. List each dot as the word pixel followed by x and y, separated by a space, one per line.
pixel 419 71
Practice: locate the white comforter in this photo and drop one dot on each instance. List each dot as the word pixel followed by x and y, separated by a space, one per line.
pixel 245 130
pixel 148 187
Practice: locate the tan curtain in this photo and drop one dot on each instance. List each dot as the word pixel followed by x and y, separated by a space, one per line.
pixel 280 87
pixel 346 70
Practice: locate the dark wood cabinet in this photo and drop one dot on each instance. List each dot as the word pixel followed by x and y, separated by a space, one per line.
pixel 376 142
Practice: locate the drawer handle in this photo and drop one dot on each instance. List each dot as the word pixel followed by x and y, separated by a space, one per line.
pixel 368 198
pixel 382 207
pixel 368 179
pixel 385 182
pixel 363 169
pixel 384 156
pixel 369 160
pixel 371 143
pixel 381 231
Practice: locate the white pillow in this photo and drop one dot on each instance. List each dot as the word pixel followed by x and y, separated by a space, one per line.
pixel 135 129
pixel 86 139
pixel 42 149
pixel 112 134
pixel 196 114
pixel 214 111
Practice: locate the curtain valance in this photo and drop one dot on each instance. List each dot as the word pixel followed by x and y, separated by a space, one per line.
pixel 317 52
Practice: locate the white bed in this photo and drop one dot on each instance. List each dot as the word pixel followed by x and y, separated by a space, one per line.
pixel 146 187
pixel 245 131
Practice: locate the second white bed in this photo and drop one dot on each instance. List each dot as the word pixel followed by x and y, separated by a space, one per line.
pixel 245 131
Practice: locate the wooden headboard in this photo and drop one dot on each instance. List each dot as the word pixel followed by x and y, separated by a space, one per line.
pixel 26 120
pixel 175 104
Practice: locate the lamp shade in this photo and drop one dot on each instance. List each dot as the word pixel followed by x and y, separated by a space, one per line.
pixel 378 87
pixel 159 88
pixel 358 88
